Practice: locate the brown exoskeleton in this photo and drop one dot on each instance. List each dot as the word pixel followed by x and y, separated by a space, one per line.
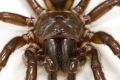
pixel 59 39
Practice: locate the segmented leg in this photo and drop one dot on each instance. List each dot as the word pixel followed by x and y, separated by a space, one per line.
pixel 80 8
pixel 101 9
pixel 16 19
pixel 31 61
pixel 95 64
pixel 51 68
pixel 104 38
pixel 35 6
pixel 72 69
pixel 32 66
pixel 10 47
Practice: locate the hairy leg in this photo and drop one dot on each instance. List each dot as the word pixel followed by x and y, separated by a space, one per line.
pixel 51 68
pixel 16 19
pixel 100 10
pixel 11 46
pixel 35 6
pixel 80 8
pixel 72 69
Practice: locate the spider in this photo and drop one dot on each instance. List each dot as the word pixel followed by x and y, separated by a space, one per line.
pixel 59 39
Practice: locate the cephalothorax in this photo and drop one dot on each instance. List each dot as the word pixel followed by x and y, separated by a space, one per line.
pixel 59 39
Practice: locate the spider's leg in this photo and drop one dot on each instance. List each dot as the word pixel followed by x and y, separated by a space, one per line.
pixel 32 66
pixel 95 64
pixel 35 6
pixel 80 8
pixel 51 68
pixel 10 47
pixel 104 38
pixel 72 69
pixel 31 61
pixel 16 19
pixel 101 9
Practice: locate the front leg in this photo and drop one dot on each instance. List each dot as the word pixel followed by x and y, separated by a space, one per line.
pixel 51 68
pixel 100 10
pixel 72 69
pixel 16 19
pixel 95 63
pixel 11 46
pixel 96 66
pixel 103 38
pixel 31 73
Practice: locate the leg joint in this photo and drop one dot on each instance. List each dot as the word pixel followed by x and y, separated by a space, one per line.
pixel 30 21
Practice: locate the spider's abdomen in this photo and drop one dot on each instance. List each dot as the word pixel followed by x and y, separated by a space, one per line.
pixel 59 5
pixel 59 25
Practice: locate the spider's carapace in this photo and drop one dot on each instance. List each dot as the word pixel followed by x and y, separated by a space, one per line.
pixel 59 25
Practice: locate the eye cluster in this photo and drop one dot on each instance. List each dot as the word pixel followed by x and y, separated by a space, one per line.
pixel 58 29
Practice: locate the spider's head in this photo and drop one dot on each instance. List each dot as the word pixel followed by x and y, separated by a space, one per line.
pixel 58 5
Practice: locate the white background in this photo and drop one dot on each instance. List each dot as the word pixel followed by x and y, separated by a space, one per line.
pixel 15 68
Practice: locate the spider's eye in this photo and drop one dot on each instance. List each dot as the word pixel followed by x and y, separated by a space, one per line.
pixel 58 4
